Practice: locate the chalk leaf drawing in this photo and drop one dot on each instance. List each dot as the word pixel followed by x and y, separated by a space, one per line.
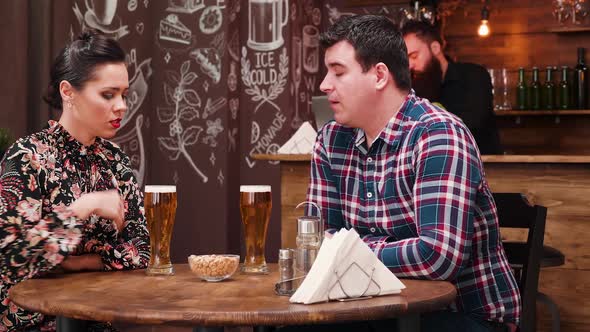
pixel 262 95
pixel 182 104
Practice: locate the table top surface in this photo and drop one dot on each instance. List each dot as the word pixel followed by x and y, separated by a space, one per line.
pixel 566 159
pixel 183 299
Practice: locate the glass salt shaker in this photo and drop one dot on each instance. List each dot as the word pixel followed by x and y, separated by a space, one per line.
pixel 286 273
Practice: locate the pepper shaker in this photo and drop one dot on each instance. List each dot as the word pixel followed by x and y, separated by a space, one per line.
pixel 285 284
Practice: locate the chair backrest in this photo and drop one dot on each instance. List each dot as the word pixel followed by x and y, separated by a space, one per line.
pixel 514 211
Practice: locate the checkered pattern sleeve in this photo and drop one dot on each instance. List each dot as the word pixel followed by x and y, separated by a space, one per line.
pixel 447 176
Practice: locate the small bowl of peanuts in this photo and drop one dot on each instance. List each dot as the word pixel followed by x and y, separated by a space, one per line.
pixel 214 267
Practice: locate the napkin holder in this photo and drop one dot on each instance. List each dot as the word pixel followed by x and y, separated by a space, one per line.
pixel 338 283
pixel 351 297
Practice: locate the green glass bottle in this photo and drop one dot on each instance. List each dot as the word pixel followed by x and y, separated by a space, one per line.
pixel 564 90
pixel 535 91
pixel 521 91
pixel 580 85
pixel 548 91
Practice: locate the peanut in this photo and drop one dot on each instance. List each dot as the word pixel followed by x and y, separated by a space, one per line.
pixel 213 265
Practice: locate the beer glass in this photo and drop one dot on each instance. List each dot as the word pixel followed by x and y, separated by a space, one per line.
pixel 160 212
pixel 255 208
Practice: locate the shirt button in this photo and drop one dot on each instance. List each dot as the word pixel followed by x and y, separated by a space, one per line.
pixel 369 194
pixel 372 229
pixel 369 160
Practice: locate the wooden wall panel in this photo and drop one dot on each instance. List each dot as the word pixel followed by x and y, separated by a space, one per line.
pixel 520 36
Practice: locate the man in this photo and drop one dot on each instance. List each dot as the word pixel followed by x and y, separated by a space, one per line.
pixel 464 89
pixel 407 176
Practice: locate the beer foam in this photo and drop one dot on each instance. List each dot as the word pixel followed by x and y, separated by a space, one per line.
pixel 160 189
pixel 254 189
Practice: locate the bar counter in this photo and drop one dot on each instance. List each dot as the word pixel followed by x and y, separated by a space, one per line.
pixel 559 182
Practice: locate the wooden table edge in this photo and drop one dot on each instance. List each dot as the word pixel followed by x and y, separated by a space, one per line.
pixel 261 318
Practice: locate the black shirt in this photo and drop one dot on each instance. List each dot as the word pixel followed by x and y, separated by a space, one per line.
pixel 467 93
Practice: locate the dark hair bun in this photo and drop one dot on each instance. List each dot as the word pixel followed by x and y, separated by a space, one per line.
pixel 76 62
pixel 88 34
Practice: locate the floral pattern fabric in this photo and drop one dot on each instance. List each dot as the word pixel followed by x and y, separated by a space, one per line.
pixel 40 176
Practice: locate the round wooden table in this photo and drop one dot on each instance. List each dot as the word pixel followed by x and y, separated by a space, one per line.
pixel 183 299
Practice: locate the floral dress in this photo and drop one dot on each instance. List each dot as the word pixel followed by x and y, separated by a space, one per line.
pixel 40 176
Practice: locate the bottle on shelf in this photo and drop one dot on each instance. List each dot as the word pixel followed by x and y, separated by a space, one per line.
pixel 521 91
pixel 535 91
pixel 564 90
pixel 548 91
pixel 580 85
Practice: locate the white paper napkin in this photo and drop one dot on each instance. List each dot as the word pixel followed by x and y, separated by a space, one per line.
pixel 346 267
pixel 301 142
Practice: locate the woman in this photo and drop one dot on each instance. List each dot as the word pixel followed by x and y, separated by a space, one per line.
pixel 68 197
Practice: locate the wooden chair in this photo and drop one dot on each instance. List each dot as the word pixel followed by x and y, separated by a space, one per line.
pixel 514 211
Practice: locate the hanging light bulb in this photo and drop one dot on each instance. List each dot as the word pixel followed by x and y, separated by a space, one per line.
pixel 484 29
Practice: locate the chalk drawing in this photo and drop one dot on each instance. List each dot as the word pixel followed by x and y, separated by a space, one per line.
pixel 231 138
pixel 131 5
pixel 232 77
pixel 210 62
pixel 264 74
pixel 185 6
pixel 171 29
pixel 311 49
pixel 266 19
pixel 182 105
pixel 234 105
pixel 100 14
pixel 234 46
pixel 334 14
pixel 139 27
pixel 234 10
pixel 138 86
pixel 296 63
pixel 213 106
pixel 211 19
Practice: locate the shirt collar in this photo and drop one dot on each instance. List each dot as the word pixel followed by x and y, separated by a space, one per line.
pixel 63 137
pixel 392 130
pixel 452 73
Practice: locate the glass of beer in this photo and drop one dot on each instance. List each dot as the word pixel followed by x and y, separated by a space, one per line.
pixel 160 212
pixel 255 207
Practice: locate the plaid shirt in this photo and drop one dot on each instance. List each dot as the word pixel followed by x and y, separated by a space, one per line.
pixel 418 197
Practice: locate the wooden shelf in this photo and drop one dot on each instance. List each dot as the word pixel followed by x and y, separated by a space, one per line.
pixel 569 29
pixel 541 112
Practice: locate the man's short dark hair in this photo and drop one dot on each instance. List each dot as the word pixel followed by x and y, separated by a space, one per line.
pixel 425 31
pixel 375 39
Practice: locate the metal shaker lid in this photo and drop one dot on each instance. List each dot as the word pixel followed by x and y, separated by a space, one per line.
pixel 285 254
pixel 308 225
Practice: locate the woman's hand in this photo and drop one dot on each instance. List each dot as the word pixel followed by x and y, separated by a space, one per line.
pixel 107 204
pixel 87 262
